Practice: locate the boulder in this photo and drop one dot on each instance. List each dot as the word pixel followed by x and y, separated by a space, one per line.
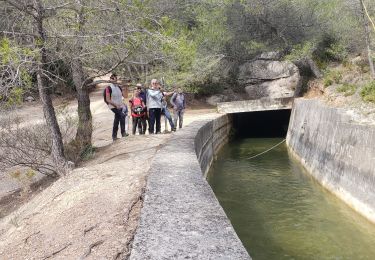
pixel 280 88
pixel 262 70
pixel 213 100
pixel 268 78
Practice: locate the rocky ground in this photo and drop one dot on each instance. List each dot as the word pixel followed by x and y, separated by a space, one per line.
pixel 93 211
pixel 350 101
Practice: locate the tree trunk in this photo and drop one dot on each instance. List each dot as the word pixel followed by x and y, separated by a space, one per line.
pixel 48 109
pixel 84 130
pixel 368 39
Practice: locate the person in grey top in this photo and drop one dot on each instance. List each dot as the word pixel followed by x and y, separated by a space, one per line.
pixel 113 98
pixel 154 106
pixel 178 102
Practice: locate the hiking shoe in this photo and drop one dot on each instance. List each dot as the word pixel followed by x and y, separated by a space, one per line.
pixel 125 135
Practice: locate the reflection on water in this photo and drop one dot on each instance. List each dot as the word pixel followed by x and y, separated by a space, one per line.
pixel 280 212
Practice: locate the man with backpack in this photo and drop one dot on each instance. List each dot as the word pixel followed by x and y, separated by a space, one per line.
pixel 113 96
pixel 178 103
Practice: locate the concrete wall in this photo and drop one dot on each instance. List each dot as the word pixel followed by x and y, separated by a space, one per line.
pixel 339 153
pixel 263 104
pixel 209 140
pixel 181 217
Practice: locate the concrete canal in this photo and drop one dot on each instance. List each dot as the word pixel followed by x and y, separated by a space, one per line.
pixel 279 211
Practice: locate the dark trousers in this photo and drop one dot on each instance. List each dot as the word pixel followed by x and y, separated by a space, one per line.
pixel 141 123
pixel 155 115
pixel 119 119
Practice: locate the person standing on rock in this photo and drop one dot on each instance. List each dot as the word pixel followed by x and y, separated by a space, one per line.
pixel 113 97
pixel 178 102
pixel 154 105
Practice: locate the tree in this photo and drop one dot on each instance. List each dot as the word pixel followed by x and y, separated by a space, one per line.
pixel 366 19
pixel 36 13
pixel 96 39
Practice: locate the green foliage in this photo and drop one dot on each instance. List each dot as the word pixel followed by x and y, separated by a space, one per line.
pixel 337 52
pixel 368 92
pixel 194 46
pixel 205 88
pixel 347 89
pixel 11 52
pixel 254 46
pixel 15 96
pixel 16 71
pixel 6 52
pixel 300 51
pixel 332 77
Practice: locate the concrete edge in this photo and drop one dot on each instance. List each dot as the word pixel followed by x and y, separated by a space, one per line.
pixel 264 104
pixel 181 217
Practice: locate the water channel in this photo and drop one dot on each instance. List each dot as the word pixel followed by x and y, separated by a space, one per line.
pixel 280 212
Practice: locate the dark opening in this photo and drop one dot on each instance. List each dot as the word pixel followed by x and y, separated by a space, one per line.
pixel 261 124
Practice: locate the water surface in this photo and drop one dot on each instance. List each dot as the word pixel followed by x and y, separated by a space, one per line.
pixel 280 212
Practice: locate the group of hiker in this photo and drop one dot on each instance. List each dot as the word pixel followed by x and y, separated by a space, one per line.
pixel 146 107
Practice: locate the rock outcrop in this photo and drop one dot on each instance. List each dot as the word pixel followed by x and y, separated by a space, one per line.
pixel 269 78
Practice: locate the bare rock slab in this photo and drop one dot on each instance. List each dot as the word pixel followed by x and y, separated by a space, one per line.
pixel 269 78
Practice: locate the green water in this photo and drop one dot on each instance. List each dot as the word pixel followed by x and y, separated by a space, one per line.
pixel 280 212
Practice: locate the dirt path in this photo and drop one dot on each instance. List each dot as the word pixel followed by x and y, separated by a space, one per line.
pixel 93 212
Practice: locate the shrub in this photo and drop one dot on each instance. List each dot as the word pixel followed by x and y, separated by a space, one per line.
pixel 332 77
pixel 347 89
pixel 337 52
pixel 368 92
pixel 30 146
pixel 301 51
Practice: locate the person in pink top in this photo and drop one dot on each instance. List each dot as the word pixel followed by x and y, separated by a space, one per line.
pixel 137 107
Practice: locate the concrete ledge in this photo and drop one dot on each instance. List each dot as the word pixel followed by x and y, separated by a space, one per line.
pixel 338 152
pixel 181 217
pixel 263 104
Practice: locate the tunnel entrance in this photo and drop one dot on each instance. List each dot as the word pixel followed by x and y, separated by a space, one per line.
pixel 261 124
